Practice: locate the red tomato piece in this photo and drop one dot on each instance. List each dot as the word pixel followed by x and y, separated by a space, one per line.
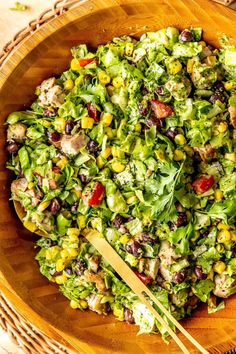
pixel 93 112
pixel 85 61
pixel 202 184
pixel 97 194
pixel 144 278
pixel 161 109
pixel 56 169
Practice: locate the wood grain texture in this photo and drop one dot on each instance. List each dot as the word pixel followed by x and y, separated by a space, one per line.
pixel 47 53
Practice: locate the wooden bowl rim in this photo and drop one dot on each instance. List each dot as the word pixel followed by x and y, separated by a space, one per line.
pixel 85 8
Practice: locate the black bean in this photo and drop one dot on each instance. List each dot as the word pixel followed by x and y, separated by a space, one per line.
pixel 146 237
pixel 143 109
pixel 159 91
pixel 12 147
pixel 172 132
pixel 144 90
pixel 186 36
pixel 92 146
pixel 55 206
pixel 69 127
pixel 217 96
pixel 199 273
pixel 80 267
pixel 83 178
pixel 87 78
pixel 134 248
pixel 153 120
pixel 54 136
pixel 118 221
pixel 129 316
pixel 219 86
pixel 179 277
pixel 181 220
pixel 74 208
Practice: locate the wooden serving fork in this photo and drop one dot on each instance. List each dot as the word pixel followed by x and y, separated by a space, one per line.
pixel 135 284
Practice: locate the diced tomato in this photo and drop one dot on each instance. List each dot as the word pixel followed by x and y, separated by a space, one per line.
pixel 144 278
pixel 85 61
pixel 52 184
pixel 93 112
pixel 161 109
pixel 97 194
pixel 202 184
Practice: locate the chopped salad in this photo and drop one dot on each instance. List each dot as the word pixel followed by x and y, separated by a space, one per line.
pixel 136 141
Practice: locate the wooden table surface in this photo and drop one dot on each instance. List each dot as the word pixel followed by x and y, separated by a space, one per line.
pixel 10 23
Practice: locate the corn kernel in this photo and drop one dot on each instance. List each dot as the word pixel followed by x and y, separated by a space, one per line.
pixel 31 185
pixel 231 157
pixel 29 225
pixel 60 124
pixel 233 236
pixel 160 154
pixel 100 162
pixel 73 231
pixel 72 252
pixel 190 64
pixel 218 194
pixel 74 64
pixel 68 84
pixel 202 43
pixel 62 162
pixel 180 139
pixel 109 132
pixel 78 193
pixel 61 279
pixel 74 238
pixel 222 127
pixel 106 119
pixel 189 150
pixel 110 90
pixel 104 78
pixel 124 239
pixel 42 206
pixel 106 153
pixel 223 236
pixel 87 122
pixel 138 127
pixel 219 267
pixel 52 252
pixel 118 82
pixel 222 226
pixel 61 265
pixel 79 80
pixel 211 60
pixel 228 85
pixel 210 275
pixel 178 155
pixel 118 167
pixel 175 67
pixel 64 254
pixel 129 48
pixel 83 304
pixel 81 221
pixel 116 152
pixel 74 304
pixel 132 199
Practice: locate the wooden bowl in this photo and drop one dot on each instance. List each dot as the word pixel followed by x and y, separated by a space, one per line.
pixel 47 53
